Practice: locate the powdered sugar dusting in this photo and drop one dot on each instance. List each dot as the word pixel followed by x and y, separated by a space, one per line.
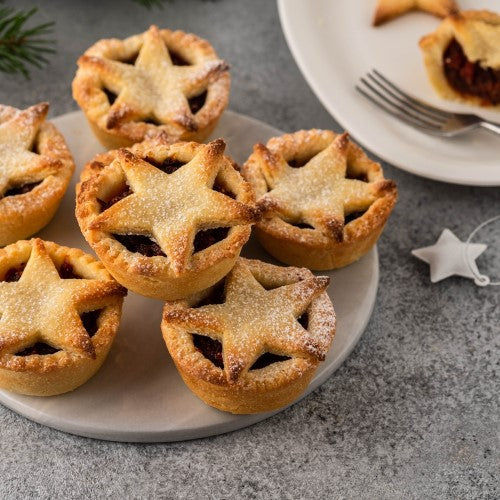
pixel 254 320
pixel 43 307
pixel 153 88
pixel 18 130
pixel 318 192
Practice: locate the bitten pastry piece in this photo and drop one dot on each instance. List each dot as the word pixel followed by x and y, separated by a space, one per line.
pixel 166 220
pixel 253 342
pixel 158 80
pixel 324 201
pixel 462 58
pixel 35 169
pixel 389 9
pixel 59 312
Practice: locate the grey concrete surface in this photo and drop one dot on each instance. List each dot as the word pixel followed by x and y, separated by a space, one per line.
pixel 412 413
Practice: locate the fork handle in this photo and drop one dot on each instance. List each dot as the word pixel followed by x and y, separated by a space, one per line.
pixel 492 127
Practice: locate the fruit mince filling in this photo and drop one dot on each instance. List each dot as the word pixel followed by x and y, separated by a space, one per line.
pixel 126 191
pixel 138 243
pixel 197 102
pixel 14 273
pixel 40 348
pixel 67 272
pixel 21 189
pixel 169 165
pixel 469 77
pixel 90 321
pixel 208 237
pixel 212 350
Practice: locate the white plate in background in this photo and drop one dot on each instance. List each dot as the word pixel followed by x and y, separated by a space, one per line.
pixel 334 44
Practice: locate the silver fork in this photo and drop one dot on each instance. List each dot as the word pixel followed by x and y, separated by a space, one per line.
pixel 416 113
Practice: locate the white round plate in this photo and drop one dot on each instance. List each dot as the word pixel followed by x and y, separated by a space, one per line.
pixel 138 395
pixel 334 45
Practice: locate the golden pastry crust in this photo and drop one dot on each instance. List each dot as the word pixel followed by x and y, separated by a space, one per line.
pixel 35 170
pixel 337 180
pixel 180 211
pixel 478 34
pixel 151 92
pixel 390 9
pixel 52 340
pixel 247 351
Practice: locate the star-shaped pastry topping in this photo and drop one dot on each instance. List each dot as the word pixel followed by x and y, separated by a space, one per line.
pixel 153 87
pixel 319 192
pixel 389 9
pixel 253 320
pixel 449 256
pixel 42 307
pixel 173 207
pixel 18 131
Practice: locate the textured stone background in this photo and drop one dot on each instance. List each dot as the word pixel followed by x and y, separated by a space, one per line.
pixel 412 413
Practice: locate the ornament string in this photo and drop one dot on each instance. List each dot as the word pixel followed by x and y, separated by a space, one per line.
pixel 479 278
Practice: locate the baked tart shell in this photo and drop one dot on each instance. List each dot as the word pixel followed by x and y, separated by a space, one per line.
pixel 319 257
pixel 310 247
pixel 62 371
pixel 153 276
pixel 24 215
pixel 248 398
pixel 269 387
pixel 87 91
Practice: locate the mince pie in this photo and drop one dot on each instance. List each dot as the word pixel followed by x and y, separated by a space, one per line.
pixel 252 342
pixel 35 169
pixel 389 9
pixel 158 80
pixel 462 58
pixel 59 313
pixel 167 220
pixel 324 202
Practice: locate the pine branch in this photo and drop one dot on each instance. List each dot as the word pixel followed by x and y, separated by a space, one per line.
pixel 21 46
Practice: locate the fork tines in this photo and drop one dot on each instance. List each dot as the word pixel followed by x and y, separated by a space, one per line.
pixel 387 96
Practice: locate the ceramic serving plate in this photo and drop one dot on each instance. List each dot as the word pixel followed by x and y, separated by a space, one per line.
pixel 138 395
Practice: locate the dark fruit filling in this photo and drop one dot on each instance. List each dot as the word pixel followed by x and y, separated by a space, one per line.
pixel 122 194
pixel 304 320
pixel 139 244
pixel 208 237
pixel 22 189
pixel 303 225
pixel 197 102
pixel 470 77
pixel 359 177
pixel 224 190
pixel 110 95
pixel 216 296
pixel 210 348
pixel 89 321
pixel 169 166
pixel 267 359
pixel 14 273
pixel 131 60
pixel 350 217
pixel 298 162
pixel 66 271
pixel 152 120
pixel 39 348
pixel 177 59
